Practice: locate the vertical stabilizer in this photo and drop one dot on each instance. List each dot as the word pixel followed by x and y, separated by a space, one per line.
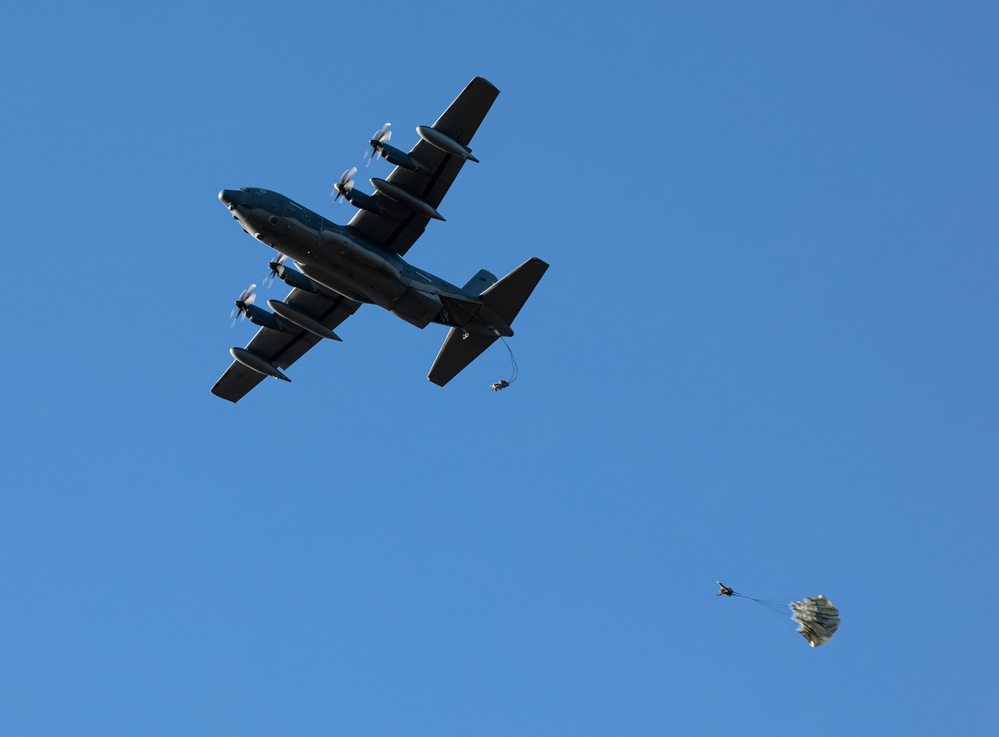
pixel 480 282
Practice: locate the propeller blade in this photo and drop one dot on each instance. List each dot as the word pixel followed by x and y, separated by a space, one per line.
pixel 273 270
pixel 246 298
pixel 247 294
pixel 345 184
pixel 381 137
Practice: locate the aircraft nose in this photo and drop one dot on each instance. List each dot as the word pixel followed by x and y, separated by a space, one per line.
pixel 228 197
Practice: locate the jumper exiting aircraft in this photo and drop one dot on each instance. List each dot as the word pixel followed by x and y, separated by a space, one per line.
pixel 341 267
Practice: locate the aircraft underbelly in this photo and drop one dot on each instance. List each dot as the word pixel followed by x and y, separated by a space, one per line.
pixel 417 308
pixel 360 276
pixel 339 272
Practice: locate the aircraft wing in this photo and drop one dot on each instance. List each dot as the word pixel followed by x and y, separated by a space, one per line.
pixel 460 121
pixel 283 349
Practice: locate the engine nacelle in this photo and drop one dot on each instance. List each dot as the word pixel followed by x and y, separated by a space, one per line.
pixel 261 317
pixel 394 156
pixel 295 279
pixel 444 142
pixel 362 201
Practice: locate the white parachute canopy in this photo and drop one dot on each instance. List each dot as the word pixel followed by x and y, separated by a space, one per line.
pixel 817 619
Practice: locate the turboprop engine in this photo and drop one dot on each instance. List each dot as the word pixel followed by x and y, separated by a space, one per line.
pixel 289 276
pixel 380 147
pixel 285 318
pixel 345 189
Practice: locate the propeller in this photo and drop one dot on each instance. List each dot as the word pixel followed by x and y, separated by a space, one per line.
pixel 343 187
pixel 273 265
pixel 245 300
pixel 381 137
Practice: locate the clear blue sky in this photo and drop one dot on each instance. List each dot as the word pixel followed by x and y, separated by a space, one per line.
pixel 765 352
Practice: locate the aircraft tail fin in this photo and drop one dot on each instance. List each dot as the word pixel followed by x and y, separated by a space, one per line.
pixel 510 293
pixel 480 282
pixel 505 297
pixel 459 350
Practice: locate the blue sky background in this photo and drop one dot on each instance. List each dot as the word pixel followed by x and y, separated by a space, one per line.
pixel 765 352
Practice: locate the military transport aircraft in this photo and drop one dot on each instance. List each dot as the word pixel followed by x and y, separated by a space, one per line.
pixel 339 267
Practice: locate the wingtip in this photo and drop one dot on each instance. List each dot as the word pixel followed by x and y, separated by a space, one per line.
pixel 483 82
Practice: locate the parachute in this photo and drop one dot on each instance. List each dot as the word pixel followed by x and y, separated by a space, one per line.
pixel 816 617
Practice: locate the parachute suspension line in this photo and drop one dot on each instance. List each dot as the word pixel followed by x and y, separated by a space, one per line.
pixel 514 370
pixel 778 608
pixel 774 606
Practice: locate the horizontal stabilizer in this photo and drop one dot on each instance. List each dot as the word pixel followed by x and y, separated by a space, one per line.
pixel 510 293
pixel 458 351
pixel 505 298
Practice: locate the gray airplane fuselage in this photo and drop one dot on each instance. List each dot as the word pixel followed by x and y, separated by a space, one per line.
pixel 343 261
